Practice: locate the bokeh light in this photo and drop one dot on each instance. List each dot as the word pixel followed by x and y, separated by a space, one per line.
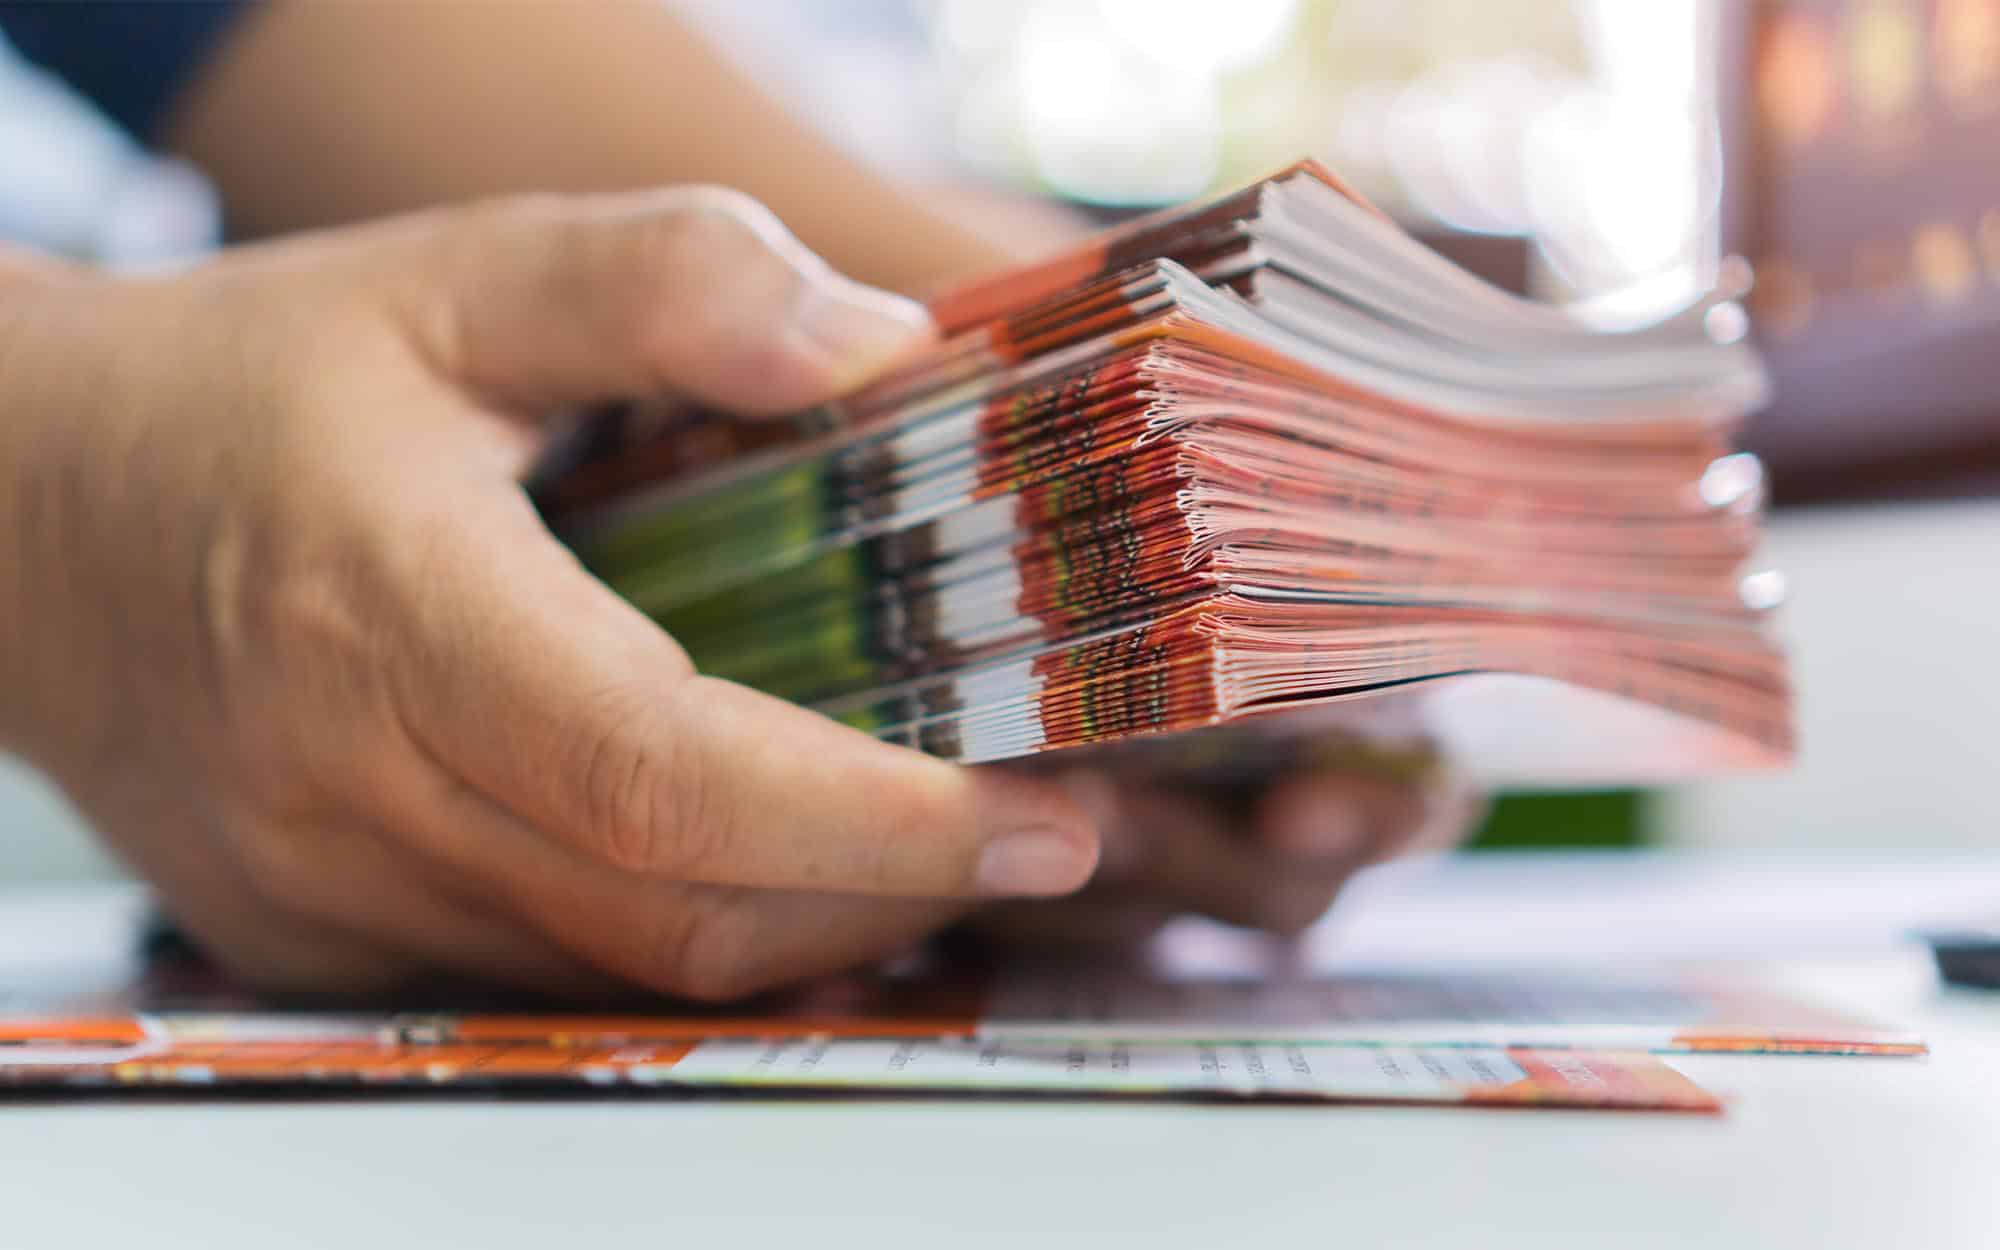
pixel 1584 126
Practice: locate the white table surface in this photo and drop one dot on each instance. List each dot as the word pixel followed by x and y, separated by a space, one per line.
pixel 1813 1151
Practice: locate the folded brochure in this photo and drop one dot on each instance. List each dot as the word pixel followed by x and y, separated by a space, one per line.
pixel 1552 1038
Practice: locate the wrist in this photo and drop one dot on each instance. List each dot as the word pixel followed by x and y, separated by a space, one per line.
pixel 16 520
pixel 35 493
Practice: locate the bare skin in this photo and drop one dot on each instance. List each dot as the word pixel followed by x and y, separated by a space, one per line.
pixel 321 114
pixel 293 638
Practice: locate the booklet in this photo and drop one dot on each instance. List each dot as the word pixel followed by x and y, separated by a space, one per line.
pixel 1487 1076
pixel 1493 1037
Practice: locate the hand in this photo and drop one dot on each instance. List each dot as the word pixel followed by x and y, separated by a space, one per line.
pixel 280 619
pixel 1274 865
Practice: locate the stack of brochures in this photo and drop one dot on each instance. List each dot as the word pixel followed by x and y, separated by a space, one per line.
pixel 1265 462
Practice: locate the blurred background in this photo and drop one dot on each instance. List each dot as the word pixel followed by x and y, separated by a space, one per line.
pixel 1614 151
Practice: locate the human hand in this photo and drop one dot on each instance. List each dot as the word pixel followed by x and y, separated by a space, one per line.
pixel 1274 862
pixel 280 619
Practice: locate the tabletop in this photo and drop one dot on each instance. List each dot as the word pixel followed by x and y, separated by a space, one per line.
pixel 1812 1151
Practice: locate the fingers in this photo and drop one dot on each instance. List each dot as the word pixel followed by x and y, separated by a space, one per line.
pixel 219 902
pixel 754 791
pixel 539 687
pixel 695 291
pixel 1366 820
pixel 1450 813
pixel 741 942
pixel 345 888
pixel 712 943
pixel 1197 857
pixel 1278 867
pixel 265 948
pixel 1338 817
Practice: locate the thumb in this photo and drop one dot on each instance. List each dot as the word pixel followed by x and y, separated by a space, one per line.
pixel 536 686
pixel 542 302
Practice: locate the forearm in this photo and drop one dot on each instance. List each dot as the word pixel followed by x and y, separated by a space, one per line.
pixel 318 113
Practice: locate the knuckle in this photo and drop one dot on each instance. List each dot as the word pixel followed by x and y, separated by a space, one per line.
pixel 728 270
pixel 721 216
pixel 706 230
pixel 618 771
pixel 647 804
pixel 720 203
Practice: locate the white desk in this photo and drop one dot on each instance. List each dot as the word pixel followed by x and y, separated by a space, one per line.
pixel 1818 1152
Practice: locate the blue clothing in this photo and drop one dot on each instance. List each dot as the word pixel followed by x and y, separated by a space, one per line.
pixel 131 58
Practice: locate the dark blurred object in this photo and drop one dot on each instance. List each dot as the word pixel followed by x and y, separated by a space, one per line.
pixel 1862 183
pixel 1968 960
pixel 1502 259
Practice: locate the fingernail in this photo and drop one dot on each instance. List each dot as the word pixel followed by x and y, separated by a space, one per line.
pixel 1033 863
pixel 862 329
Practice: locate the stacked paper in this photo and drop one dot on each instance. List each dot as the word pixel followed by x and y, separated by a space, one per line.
pixel 1265 462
